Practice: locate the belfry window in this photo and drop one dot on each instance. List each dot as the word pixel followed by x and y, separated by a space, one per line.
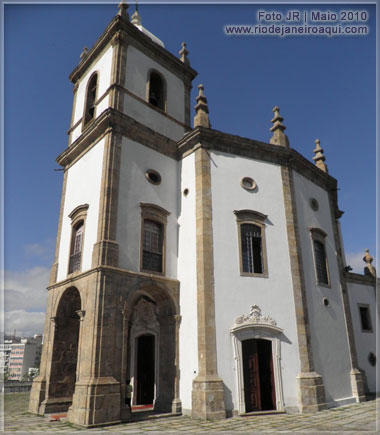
pixel 251 229
pixel 320 257
pixel 76 248
pixel 152 246
pixel 157 91
pixel 153 230
pixel 89 111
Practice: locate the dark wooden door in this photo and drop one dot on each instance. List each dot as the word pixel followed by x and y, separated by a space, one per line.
pixel 145 369
pixel 251 376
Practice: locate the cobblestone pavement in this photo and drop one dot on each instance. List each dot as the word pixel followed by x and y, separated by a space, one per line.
pixel 349 419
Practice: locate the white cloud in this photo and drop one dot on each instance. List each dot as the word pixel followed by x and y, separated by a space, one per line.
pixel 25 323
pixel 25 297
pixel 43 250
pixel 355 260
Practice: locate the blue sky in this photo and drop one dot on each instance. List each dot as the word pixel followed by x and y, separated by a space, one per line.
pixel 325 87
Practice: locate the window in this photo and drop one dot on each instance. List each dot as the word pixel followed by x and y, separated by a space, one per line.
pixel 78 219
pixel 365 318
pixel 152 248
pixel 76 248
pixel 153 230
pixel 320 258
pixel 156 90
pixel 89 110
pixel 251 228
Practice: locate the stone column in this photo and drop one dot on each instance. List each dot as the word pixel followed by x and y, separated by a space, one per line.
pixel 125 412
pixel 177 404
pixel 311 391
pixel 208 388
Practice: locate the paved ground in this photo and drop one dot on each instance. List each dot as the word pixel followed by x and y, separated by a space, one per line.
pixel 350 419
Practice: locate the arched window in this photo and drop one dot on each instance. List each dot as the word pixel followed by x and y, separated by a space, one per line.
pixel 76 248
pixel 89 111
pixel 157 91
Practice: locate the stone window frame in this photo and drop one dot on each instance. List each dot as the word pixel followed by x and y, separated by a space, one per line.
pixel 252 217
pixel 79 214
pixel 317 234
pixel 157 214
pixel 84 123
pixel 367 307
pixel 165 90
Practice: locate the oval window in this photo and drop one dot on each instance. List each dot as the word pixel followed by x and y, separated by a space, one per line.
pixel 153 176
pixel 248 183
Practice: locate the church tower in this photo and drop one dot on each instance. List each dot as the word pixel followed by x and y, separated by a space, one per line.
pixel 114 295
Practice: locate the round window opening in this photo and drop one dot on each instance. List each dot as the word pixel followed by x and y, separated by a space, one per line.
pixel 314 204
pixel 248 183
pixel 372 359
pixel 326 302
pixel 153 176
pixel 186 192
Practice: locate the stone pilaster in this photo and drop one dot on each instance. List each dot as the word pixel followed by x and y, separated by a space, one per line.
pixel 177 404
pixel 106 249
pixel 208 388
pixel 357 381
pixel 311 396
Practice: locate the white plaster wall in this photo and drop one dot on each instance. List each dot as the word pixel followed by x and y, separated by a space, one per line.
pixel 83 187
pixel 365 341
pixel 327 324
pixel 104 67
pixel 134 188
pixel 187 275
pixel 138 68
pixel 234 294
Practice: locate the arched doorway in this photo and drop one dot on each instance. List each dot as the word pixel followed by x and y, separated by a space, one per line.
pixel 65 348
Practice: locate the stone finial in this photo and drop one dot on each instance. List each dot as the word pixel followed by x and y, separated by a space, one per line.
pixel 136 18
pixel 319 157
pixel 123 9
pixel 201 118
pixel 279 137
pixel 184 52
pixel 369 269
pixel 84 53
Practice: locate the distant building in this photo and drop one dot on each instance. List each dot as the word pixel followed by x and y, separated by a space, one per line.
pixel 24 355
pixel 5 351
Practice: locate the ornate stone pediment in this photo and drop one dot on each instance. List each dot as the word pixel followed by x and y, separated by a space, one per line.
pixel 144 316
pixel 254 318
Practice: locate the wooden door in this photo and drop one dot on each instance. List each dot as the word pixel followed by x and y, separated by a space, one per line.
pixel 251 376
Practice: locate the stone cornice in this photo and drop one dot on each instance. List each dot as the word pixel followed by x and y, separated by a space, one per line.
pixel 113 120
pixel 357 278
pixel 139 40
pixel 111 269
pixel 236 145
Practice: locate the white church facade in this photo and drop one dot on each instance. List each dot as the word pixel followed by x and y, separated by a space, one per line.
pixel 207 268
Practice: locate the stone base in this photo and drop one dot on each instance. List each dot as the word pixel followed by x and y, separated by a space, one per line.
pixel 208 399
pixel 311 392
pixel 358 385
pixel 105 253
pixel 37 395
pixel 55 404
pixel 96 402
pixel 125 413
pixel 177 406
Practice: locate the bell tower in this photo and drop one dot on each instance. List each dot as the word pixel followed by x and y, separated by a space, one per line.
pixel 114 278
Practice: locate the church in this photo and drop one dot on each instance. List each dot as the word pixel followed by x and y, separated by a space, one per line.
pixel 205 267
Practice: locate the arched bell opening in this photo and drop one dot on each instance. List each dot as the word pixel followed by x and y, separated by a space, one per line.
pixel 65 347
